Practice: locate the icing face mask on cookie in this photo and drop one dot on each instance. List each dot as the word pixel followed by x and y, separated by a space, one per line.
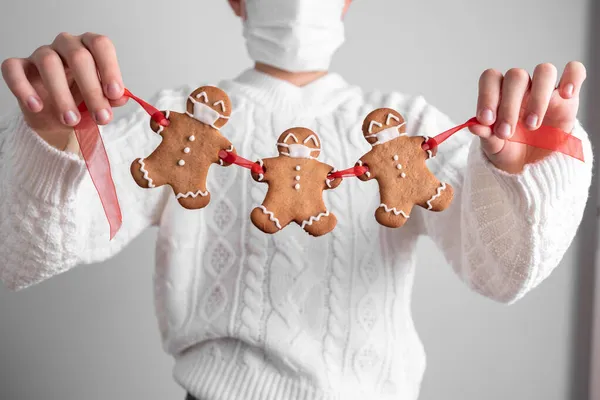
pixel 205 114
pixel 386 135
pixel 294 35
pixel 297 150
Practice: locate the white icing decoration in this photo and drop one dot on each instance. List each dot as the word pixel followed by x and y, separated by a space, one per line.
pixel 436 195
pixel 297 168
pixel 205 114
pixel 391 116
pixel 145 172
pixel 221 161
pixel 313 138
pixel 181 163
pixel 429 153
pixel 399 166
pixel 297 186
pixel 260 176
pixel 202 94
pixel 167 114
pixel 192 138
pixel 386 135
pixel 394 210
pixel 403 175
pixel 297 177
pixel 292 136
pixel 368 174
pixel 360 163
pixel 230 149
pixel 192 194
pixel 186 150
pixel 271 216
pixel 328 183
pixel 313 219
pixel 374 123
pixel 160 129
pixel 222 104
pixel 396 157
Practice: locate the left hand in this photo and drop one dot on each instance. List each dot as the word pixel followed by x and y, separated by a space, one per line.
pixel 534 101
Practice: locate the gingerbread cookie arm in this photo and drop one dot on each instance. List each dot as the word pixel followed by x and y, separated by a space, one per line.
pixel 427 154
pixel 331 183
pixel 158 128
pixel 262 177
pixel 364 162
pixel 224 144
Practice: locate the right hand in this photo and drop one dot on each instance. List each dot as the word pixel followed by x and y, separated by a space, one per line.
pixel 53 81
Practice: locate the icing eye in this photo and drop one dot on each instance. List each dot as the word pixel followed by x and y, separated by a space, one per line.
pixel 313 138
pixel 372 124
pixel 222 104
pixel 390 117
pixel 290 135
pixel 202 95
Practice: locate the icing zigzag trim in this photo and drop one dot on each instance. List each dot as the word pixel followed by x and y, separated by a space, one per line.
pixel 436 195
pixel 394 210
pixel 194 195
pixel 313 219
pixel 145 172
pixel 271 216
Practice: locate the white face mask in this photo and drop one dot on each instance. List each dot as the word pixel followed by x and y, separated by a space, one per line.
pixel 297 150
pixel 294 35
pixel 205 114
pixel 386 135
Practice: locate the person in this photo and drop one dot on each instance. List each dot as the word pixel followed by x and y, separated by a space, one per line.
pixel 252 316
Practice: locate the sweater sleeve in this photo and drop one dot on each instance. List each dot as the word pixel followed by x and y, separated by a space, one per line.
pixel 504 233
pixel 51 218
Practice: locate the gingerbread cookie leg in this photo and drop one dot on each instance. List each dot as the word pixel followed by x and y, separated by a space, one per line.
pixel 441 197
pixel 145 175
pixel 192 199
pixel 393 216
pixel 266 220
pixel 320 224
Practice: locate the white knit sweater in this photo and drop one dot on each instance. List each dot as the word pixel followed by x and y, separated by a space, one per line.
pixel 251 316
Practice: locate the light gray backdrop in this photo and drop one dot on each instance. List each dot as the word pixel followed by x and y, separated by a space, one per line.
pixel 91 334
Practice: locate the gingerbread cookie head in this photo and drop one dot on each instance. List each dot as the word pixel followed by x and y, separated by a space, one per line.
pixel 209 105
pixel 299 143
pixel 382 125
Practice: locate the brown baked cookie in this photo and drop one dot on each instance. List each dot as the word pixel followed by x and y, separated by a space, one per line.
pixel 397 162
pixel 190 144
pixel 296 182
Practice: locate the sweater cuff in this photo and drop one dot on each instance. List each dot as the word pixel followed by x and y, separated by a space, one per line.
pixel 541 185
pixel 44 172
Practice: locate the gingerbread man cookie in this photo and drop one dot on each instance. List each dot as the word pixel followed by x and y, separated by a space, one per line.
pixel 296 182
pixel 397 162
pixel 190 144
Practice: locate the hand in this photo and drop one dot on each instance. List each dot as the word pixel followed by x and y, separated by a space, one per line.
pixel 507 99
pixel 51 83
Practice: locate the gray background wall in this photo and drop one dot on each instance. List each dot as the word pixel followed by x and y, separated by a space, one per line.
pixel 91 333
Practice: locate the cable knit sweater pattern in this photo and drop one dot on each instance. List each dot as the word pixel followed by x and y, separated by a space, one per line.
pixel 288 316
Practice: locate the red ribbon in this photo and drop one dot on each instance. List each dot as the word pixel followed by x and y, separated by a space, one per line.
pixel 350 172
pixel 231 158
pixel 96 160
pixel 545 137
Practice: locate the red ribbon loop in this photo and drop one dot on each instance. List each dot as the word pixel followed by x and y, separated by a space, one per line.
pixel 350 172
pixel 231 158
pixel 97 163
pixel 545 137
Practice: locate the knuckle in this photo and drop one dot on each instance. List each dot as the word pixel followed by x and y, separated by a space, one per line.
pixel 100 43
pixel 7 65
pixel 48 58
pixel 517 74
pixel 95 97
pixel 79 57
pixel 62 37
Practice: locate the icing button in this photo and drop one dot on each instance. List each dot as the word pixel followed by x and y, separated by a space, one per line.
pixel 297 186
pixel 192 138
pixel 186 150
pixel 297 168
pixel 396 157
pixel 181 163
pixel 297 177
pixel 399 166
pixel 403 175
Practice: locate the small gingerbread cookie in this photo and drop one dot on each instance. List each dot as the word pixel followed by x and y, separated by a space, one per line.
pixel 397 162
pixel 296 182
pixel 190 144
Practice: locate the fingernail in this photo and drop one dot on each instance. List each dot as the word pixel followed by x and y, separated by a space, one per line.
pixel 532 120
pixel 486 115
pixel 102 116
pixel 503 131
pixel 113 90
pixel 70 118
pixel 34 104
pixel 569 89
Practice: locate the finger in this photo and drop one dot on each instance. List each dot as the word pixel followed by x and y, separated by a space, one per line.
pixel 105 55
pixel 13 72
pixel 490 84
pixel 82 66
pixel 572 79
pixel 515 85
pixel 54 78
pixel 542 87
